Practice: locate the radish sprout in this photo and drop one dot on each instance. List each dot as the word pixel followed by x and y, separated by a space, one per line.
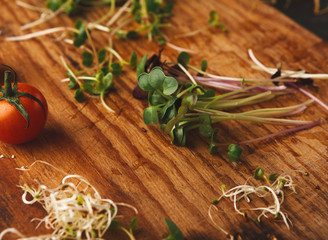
pixel 292 74
pixel 180 107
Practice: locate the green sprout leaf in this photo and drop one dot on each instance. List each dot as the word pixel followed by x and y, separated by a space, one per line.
pixel 72 83
pixel 116 68
pixel 170 85
pixel 133 224
pixel 141 65
pixel 214 21
pixel 205 128
pixel 156 77
pixel 258 173
pixel 178 135
pixel 143 81
pixel 78 95
pixel 272 177
pixel 81 37
pixel 175 232
pixel 133 59
pixel 114 225
pixel 234 152
pixel 150 116
pixel 169 104
pixel 183 58
pixel 53 5
pixel 156 99
pixel 213 146
pixel 87 59
pixel 203 65
pixel 102 53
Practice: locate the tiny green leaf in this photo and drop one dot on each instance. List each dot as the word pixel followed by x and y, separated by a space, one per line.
pixel 81 37
pixel 189 100
pixel 203 65
pixel 213 146
pixel 272 177
pixel 133 224
pixel 175 232
pixel 102 53
pixel 88 86
pixel 78 95
pixel 156 99
pixel 170 85
pixel 214 18
pixel 178 135
pixel 53 5
pixel 141 65
pixel 205 128
pixel 114 225
pixel 150 116
pixel 258 173
pixel 87 59
pixel 116 68
pixel 234 152
pixel 72 83
pixel 169 103
pixel 214 21
pixel 183 58
pixel 133 59
pixel 215 201
pixel 143 81
pixel 156 77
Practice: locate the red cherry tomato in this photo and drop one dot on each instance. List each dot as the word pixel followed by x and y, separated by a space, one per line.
pixel 13 126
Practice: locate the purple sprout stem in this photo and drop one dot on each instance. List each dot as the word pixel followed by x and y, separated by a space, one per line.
pixel 309 95
pixel 294 129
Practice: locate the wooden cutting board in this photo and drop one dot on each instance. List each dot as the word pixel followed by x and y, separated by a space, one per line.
pixel 130 162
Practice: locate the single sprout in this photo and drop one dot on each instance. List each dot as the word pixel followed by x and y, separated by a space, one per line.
pixel 258 173
pixel 243 192
pixel 75 209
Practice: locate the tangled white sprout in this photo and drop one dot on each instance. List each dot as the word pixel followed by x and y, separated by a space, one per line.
pixel 274 189
pixel 75 210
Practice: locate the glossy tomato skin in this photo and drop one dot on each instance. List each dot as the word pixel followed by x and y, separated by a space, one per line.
pixel 13 126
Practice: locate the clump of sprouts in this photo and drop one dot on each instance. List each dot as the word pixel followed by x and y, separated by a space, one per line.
pixel 274 188
pixel 75 210
pixel 179 103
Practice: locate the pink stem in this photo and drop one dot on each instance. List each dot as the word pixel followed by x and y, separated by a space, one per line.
pixel 309 95
pixel 295 129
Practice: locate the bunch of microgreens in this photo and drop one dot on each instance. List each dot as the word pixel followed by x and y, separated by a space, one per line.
pixel 124 19
pixel 96 79
pixel 274 188
pixel 128 20
pixel 75 210
pixel 179 104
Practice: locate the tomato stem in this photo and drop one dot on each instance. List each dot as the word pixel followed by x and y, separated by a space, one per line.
pixel 11 95
pixel 8 91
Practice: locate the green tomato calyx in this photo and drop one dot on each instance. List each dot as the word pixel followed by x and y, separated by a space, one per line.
pixel 10 94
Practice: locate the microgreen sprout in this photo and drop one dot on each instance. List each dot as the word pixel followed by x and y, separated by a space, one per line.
pixel 175 232
pixel 212 23
pixel 75 210
pixel 275 188
pixel 96 77
pixel 291 74
pixel 179 104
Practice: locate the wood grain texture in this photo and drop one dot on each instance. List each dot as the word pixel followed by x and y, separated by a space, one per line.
pixel 130 162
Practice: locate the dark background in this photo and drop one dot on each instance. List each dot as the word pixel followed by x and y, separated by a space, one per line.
pixel 302 12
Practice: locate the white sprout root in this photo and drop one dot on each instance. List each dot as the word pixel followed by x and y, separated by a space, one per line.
pixel 274 190
pixel 75 209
